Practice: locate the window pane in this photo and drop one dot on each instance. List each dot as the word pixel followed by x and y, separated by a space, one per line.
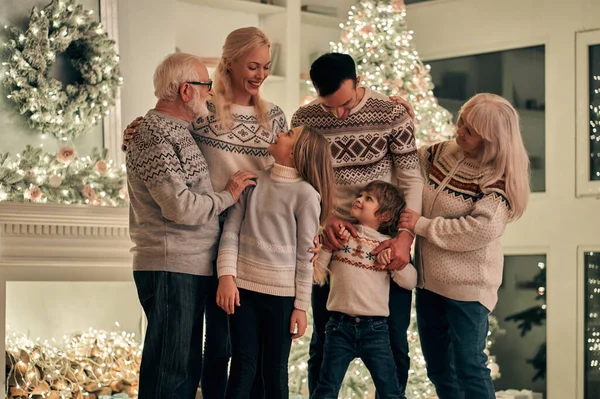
pixel 594 112
pixel 521 313
pixel 517 75
pixel 592 325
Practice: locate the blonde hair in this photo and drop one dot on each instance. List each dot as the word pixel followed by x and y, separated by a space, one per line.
pixel 174 70
pixel 497 122
pixel 312 159
pixel 237 44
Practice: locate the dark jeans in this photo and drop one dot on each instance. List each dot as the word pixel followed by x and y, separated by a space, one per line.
pixel 349 337
pixel 172 354
pixel 217 346
pixel 398 323
pixel 453 335
pixel 217 349
pixel 260 328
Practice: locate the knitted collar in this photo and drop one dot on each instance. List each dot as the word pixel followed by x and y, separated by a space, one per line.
pixel 284 174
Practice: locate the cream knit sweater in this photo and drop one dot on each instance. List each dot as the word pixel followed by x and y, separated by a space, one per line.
pixel 459 255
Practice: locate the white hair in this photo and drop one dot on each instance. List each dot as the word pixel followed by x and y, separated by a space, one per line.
pixel 496 120
pixel 174 70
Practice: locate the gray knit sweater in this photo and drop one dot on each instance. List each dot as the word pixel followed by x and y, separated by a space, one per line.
pixel 173 211
pixel 268 233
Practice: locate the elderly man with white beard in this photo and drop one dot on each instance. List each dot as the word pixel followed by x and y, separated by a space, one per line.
pixel 173 223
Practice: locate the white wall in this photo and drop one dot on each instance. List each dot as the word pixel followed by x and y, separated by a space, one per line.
pixel 147 30
pixel 52 309
pixel 556 223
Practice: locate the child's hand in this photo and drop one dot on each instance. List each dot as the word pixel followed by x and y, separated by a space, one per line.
pixel 228 296
pixel 384 257
pixel 343 234
pixel 299 320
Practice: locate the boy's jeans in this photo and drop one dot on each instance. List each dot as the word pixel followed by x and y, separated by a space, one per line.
pixel 398 323
pixel 348 337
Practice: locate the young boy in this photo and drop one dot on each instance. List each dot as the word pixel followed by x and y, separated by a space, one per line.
pixel 359 296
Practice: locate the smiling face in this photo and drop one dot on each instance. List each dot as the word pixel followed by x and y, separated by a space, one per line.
pixel 341 102
pixel 282 148
pixel 364 209
pixel 249 72
pixel 467 138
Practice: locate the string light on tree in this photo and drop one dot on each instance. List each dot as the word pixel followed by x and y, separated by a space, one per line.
pixel 377 38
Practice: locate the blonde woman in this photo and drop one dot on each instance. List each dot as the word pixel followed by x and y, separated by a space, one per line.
pixel 234 136
pixel 474 186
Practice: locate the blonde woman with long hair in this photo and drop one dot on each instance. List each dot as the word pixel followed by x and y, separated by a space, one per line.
pixel 265 271
pixel 234 136
pixel 474 185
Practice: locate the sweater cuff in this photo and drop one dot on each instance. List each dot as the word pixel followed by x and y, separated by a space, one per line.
pixel 301 305
pixel 226 264
pixel 422 226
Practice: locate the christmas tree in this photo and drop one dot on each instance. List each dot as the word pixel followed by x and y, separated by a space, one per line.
pixel 377 38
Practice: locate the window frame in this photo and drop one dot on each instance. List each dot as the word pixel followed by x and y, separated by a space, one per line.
pixel 584 186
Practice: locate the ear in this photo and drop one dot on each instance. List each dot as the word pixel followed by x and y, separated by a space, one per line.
pixel 185 92
pixel 384 217
pixel 357 80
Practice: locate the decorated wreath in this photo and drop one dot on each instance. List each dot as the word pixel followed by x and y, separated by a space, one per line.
pixel 62 27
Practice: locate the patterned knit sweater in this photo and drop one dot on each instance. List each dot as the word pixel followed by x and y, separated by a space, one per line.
pixel 173 209
pixel 359 287
pixel 242 147
pixel 375 142
pixel 458 248
pixel 268 233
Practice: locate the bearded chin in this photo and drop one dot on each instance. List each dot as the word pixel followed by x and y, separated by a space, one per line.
pixel 202 110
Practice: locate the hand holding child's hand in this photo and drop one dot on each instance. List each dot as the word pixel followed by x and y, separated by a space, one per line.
pixel 228 296
pixel 343 234
pixel 298 319
pixel 384 257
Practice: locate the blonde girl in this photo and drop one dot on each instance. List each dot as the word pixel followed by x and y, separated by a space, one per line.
pixel 264 267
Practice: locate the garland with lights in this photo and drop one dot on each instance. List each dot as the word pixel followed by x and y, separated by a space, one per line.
pixel 36 176
pixel 96 364
pixel 62 27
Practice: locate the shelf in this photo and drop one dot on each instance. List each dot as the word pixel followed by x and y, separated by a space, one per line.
pixel 325 21
pixel 246 6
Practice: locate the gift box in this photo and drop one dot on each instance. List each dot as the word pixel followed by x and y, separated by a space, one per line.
pixel 516 394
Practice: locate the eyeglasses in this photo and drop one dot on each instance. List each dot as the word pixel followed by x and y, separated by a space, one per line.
pixel 209 84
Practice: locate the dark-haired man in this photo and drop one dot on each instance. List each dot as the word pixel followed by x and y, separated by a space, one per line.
pixel 372 138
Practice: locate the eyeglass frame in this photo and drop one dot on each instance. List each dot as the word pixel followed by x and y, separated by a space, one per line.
pixel 209 84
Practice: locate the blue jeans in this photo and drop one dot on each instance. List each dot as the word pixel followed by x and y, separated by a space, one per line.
pixel 453 335
pixel 348 337
pixel 398 323
pixel 172 354
pixel 260 330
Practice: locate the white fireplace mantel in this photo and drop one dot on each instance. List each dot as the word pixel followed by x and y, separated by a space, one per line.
pixel 43 242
